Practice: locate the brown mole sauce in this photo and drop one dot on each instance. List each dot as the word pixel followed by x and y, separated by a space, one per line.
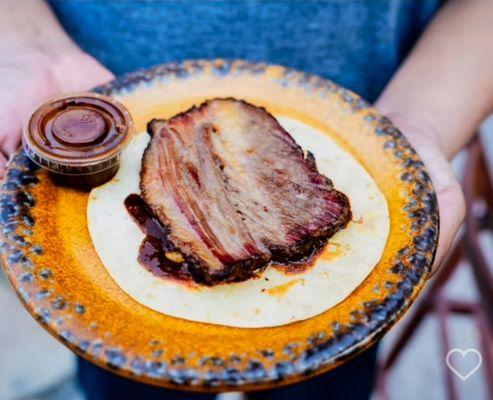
pixel 152 252
pixel 156 244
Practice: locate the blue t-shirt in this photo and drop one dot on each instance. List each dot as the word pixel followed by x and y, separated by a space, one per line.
pixel 357 43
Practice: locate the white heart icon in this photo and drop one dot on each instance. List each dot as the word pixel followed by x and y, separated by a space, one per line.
pixel 464 353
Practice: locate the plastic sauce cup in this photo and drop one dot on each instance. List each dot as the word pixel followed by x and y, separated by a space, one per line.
pixel 78 137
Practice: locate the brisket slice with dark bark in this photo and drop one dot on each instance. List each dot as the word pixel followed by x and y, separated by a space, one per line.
pixel 236 191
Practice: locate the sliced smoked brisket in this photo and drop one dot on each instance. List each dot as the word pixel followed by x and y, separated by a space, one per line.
pixel 236 191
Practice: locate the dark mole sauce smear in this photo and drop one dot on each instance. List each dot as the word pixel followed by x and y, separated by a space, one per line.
pixel 152 253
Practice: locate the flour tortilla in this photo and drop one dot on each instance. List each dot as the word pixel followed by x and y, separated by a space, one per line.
pixel 272 299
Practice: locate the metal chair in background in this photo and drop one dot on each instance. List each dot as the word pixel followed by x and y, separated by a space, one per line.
pixel 478 189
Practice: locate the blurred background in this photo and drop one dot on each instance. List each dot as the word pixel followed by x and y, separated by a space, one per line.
pixel 454 314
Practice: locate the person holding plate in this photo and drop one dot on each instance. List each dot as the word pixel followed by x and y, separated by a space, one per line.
pixel 426 65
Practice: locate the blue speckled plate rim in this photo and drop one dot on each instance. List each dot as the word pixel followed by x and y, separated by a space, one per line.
pixel 321 354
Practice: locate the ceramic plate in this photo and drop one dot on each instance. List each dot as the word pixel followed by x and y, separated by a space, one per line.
pixel 50 260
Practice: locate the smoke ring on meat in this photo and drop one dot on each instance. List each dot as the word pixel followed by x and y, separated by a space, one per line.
pixel 236 192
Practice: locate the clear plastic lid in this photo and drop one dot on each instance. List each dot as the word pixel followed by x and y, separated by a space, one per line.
pixel 77 134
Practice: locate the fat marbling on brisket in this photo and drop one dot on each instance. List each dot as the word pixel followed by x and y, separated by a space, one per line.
pixel 236 191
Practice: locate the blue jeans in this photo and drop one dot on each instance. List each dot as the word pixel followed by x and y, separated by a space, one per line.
pixel 353 380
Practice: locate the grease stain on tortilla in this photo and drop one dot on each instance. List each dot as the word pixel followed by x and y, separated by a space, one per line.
pixel 281 290
pixel 333 251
